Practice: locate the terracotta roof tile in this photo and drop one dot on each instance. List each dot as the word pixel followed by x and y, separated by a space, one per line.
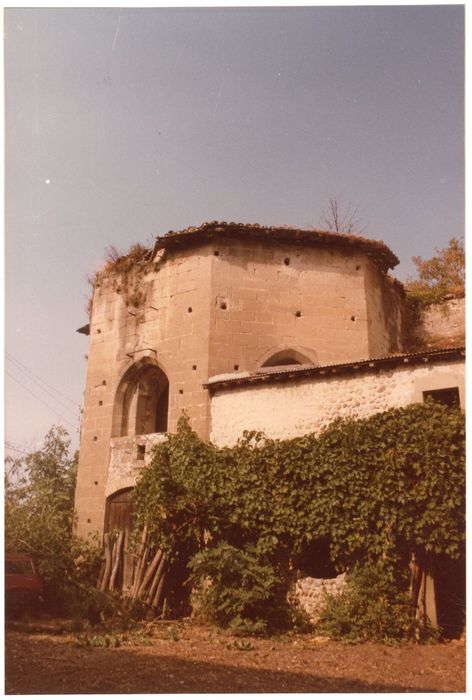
pixel 300 372
pixel 377 250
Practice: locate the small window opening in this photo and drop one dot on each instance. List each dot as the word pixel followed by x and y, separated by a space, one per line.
pixel 223 305
pixel 100 403
pixel 194 366
pixel 190 309
pixel 181 391
pixel 448 397
pixel 353 318
pixel 286 261
pixel 298 314
pixel 96 483
pixel 216 253
pixel 141 452
pixel 236 367
pixel 358 267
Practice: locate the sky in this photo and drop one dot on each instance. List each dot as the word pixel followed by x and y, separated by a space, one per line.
pixel 122 124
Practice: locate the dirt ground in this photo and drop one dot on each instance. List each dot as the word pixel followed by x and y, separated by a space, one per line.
pixel 182 658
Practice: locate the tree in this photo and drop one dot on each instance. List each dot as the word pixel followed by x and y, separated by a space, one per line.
pixel 440 276
pixel 336 217
pixel 39 517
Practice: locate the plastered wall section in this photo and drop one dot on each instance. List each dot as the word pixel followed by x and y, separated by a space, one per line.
pixel 170 327
pixel 299 407
pixel 266 297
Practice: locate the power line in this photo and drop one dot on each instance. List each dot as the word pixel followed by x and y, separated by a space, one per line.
pixel 43 388
pixel 15 449
pixel 41 401
pixel 25 369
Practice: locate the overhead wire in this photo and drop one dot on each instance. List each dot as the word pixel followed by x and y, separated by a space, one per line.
pixel 23 368
pixel 43 388
pixel 15 449
pixel 59 415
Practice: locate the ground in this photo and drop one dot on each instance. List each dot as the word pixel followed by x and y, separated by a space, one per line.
pixel 183 658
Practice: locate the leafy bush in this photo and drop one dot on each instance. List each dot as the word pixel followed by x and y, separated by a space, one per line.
pixel 440 276
pixel 39 518
pixel 239 588
pixel 373 606
pixel 377 489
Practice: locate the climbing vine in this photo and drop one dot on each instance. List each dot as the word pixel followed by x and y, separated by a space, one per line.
pixel 378 489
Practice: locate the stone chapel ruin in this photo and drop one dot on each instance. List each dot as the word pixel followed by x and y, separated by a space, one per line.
pixel 246 327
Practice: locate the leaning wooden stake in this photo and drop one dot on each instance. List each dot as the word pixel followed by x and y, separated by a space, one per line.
pixel 106 573
pixel 156 580
pixel 150 572
pixel 158 595
pixel 117 558
pixel 139 565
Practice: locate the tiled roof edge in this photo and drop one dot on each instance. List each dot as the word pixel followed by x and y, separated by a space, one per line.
pixel 261 377
pixel 377 250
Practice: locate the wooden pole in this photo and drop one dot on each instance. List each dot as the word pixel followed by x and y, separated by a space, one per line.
pixel 139 563
pixel 117 551
pixel 160 588
pixel 155 582
pixel 150 572
pixel 106 573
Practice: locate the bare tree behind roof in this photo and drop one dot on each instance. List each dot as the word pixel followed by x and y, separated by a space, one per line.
pixel 342 219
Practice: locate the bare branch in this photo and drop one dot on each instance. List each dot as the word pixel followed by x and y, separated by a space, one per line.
pixel 341 219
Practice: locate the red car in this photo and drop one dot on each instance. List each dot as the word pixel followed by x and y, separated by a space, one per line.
pixel 23 586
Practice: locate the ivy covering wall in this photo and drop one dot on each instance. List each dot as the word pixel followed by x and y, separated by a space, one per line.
pixel 377 489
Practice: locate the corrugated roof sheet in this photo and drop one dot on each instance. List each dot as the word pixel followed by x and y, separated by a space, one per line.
pixel 302 371
pixel 377 250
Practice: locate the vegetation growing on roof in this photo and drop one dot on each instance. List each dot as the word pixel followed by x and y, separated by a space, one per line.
pixel 377 250
pixel 378 489
pixel 126 269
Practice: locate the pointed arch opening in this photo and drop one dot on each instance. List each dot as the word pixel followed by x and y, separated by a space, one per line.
pixel 286 356
pixel 142 402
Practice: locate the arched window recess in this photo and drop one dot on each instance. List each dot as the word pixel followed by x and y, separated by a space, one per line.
pixel 142 402
pixel 286 357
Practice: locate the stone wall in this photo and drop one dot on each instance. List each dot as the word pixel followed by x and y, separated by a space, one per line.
pixel 443 324
pixel 126 460
pixel 300 406
pixel 158 318
pixel 270 296
pixel 310 593
pixel 214 308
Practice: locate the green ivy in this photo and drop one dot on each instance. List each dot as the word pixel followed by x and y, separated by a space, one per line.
pixel 378 488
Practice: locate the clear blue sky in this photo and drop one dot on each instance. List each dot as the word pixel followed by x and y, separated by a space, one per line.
pixel 122 124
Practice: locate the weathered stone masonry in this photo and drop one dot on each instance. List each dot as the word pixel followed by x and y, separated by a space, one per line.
pixel 222 300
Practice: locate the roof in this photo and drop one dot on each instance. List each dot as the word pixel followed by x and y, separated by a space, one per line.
pixel 297 372
pixel 209 231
